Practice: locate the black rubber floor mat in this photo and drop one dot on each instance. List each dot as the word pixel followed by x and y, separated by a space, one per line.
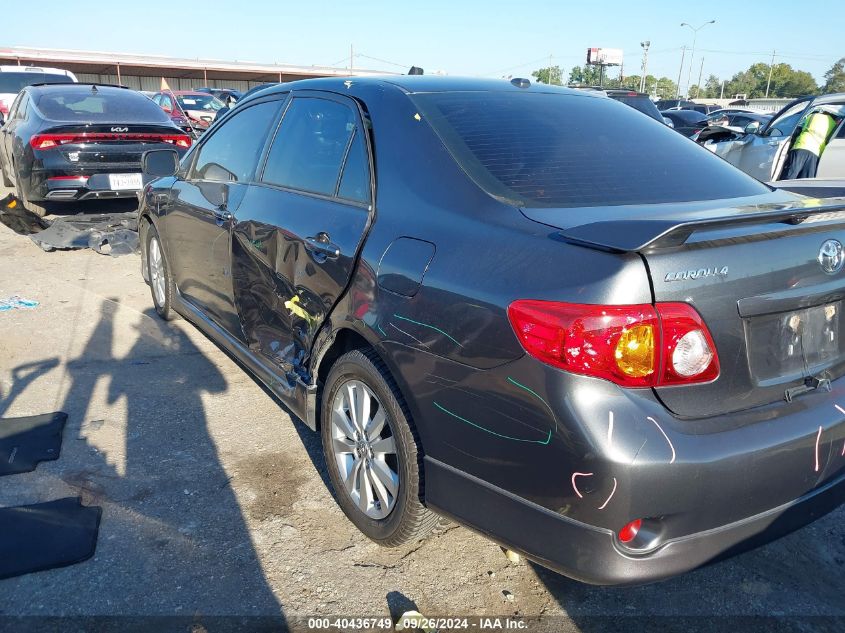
pixel 47 535
pixel 26 441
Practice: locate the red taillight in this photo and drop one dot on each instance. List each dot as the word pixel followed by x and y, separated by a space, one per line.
pixel 630 531
pixel 631 345
pixel 48 141
pixel 4 107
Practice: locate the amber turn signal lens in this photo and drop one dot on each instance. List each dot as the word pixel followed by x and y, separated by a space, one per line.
pixel 635 351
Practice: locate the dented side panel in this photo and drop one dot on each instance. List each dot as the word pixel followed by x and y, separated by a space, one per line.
pixel 283 291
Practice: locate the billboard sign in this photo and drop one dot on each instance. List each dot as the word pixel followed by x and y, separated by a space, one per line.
pixel 604 56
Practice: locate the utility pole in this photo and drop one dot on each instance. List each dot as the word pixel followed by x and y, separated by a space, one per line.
pixel 351 57
pixel 769 82
pixel 550 69
pixel 724 81
pixel 681 69
pixel 645 46
pixel 692 55
pixel 700 72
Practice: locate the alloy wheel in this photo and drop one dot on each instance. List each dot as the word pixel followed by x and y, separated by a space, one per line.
pixel 364 449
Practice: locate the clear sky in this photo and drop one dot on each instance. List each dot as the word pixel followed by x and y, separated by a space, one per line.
pixel 461 37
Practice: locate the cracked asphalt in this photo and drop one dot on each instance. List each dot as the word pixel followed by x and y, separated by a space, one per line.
pixel 215 502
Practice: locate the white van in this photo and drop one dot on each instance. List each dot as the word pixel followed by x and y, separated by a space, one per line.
pixel 14 78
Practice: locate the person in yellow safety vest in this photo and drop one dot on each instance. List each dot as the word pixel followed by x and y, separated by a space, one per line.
pixel 808 147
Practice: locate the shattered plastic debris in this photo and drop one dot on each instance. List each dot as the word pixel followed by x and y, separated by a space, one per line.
pixel 108 234
pixel 17 303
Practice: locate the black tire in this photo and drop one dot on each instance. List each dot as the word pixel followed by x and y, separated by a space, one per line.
pixel 37 209
pixel 409 520
pixel 163 308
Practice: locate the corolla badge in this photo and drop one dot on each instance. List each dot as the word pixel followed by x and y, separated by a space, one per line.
pixel 831 256
pixel 700 273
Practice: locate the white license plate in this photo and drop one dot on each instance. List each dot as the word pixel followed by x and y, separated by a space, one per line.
pixel 122 182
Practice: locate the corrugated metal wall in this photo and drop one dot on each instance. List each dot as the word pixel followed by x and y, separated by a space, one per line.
pixel 153 84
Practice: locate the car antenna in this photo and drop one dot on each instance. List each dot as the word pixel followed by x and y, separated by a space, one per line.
pixel 93 87
pixel 416 70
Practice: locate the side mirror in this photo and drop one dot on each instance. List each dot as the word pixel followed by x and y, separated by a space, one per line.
pixel 668 121
pixel 160 163
pixel 752 127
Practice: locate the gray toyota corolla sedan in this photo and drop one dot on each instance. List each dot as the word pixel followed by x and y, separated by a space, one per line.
pixel 530 309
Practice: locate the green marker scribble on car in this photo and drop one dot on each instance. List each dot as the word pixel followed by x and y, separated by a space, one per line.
pixel 378 327
pixel 536 395
pixel 436 329
pixel 486 430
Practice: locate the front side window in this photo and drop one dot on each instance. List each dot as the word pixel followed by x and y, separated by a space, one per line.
pixel 232 152
pixel 310 147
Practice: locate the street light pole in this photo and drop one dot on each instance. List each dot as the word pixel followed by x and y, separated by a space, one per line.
pixel 692 56
pixel 645 46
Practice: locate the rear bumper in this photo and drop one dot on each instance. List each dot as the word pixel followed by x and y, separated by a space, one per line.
pixel 594 555
pixel 59 187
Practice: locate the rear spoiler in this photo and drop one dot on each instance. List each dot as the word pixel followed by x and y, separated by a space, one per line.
pixel 628 236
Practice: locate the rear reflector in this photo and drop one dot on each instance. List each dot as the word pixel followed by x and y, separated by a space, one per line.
pixel 67 179
pixel 631 345
pixel 630 531
pixel 47 141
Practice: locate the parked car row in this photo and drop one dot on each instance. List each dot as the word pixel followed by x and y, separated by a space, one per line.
pixel 529 309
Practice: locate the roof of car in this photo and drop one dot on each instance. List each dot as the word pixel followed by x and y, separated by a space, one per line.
pixel 184 93
pixel 48 87
pixel 419 83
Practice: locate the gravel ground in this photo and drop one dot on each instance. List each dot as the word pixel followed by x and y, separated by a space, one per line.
pixel 215 502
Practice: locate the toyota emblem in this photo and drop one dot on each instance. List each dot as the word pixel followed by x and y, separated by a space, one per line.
pixel 831 256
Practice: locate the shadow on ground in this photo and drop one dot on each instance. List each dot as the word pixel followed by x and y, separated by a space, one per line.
pixel 173 539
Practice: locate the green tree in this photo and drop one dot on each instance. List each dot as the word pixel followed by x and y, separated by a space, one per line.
pixel 785 82
pixel 586 75
pixel 552 75
pixel 712 88
pixel 835 77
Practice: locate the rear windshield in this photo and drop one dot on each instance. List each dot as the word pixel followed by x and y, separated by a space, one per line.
pixel 565 150
pixel 105 105
pixel 13 83
pixel 643 104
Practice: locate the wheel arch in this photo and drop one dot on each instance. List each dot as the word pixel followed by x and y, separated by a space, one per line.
pixel 344 339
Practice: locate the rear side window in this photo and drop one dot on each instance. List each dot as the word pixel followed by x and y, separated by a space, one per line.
pixel 13 83
pixel 106 105
pixel 575 150
pixel 232 152
pixel 311 145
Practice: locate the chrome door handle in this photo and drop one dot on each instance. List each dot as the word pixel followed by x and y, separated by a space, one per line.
pixel 322 246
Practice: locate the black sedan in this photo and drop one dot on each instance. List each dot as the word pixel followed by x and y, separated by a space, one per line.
pixel 687 122
pixel 68 142
pixel 527 308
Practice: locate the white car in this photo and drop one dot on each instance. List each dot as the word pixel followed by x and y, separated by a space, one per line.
pixel 13 79
pixel 761 151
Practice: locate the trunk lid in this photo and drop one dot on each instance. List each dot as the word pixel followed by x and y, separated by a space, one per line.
pixel 754 271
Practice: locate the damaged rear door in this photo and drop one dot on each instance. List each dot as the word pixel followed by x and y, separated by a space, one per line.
pixel 300 226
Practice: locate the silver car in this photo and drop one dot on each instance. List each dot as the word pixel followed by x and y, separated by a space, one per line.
pixel 761 151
